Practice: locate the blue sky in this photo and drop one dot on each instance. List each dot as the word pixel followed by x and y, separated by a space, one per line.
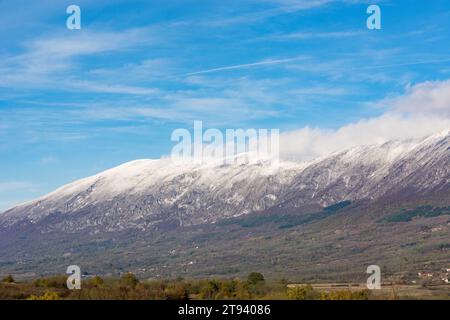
pixel 76 102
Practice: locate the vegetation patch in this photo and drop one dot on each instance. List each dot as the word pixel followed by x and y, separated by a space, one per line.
pixel 423 211
pixel 129 287
pixel 286 220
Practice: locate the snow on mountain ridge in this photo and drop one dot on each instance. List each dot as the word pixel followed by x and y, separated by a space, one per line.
pixel 143 193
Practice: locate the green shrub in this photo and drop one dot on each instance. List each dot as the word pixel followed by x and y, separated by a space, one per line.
pixel 97 281
pixel 52 282
pixel 129 280
pixel 8 279
pixel 306 292
pixel 209 290
pixel 45 296
pixel 176 291
pixel 255 278
pixel 345 295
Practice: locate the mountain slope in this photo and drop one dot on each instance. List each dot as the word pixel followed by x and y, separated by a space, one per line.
pixel 327 220
pixel 158 193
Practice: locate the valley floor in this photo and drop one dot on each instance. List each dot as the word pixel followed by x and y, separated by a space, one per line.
pixel 255 287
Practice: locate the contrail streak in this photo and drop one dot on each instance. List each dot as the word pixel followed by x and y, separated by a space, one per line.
pixel 241 66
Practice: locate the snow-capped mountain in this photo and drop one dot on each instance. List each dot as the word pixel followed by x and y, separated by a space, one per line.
pixel 160 193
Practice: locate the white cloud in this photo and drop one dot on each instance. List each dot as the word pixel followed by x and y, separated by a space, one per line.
pixel 8 186
pixel 425 98
pixel 422 111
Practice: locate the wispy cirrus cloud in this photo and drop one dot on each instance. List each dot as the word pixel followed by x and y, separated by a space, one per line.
pixel 11 192
pixel 7 186
pixel 48 160
pixel 99 87
pixel 316 35
pixel 408 63
pixel 54 61
pixel 273 8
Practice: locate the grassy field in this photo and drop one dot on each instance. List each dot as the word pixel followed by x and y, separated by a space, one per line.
pixel 389 290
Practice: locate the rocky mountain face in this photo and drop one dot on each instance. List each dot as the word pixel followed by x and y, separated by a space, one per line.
pixel 149 194
pixel 327 220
